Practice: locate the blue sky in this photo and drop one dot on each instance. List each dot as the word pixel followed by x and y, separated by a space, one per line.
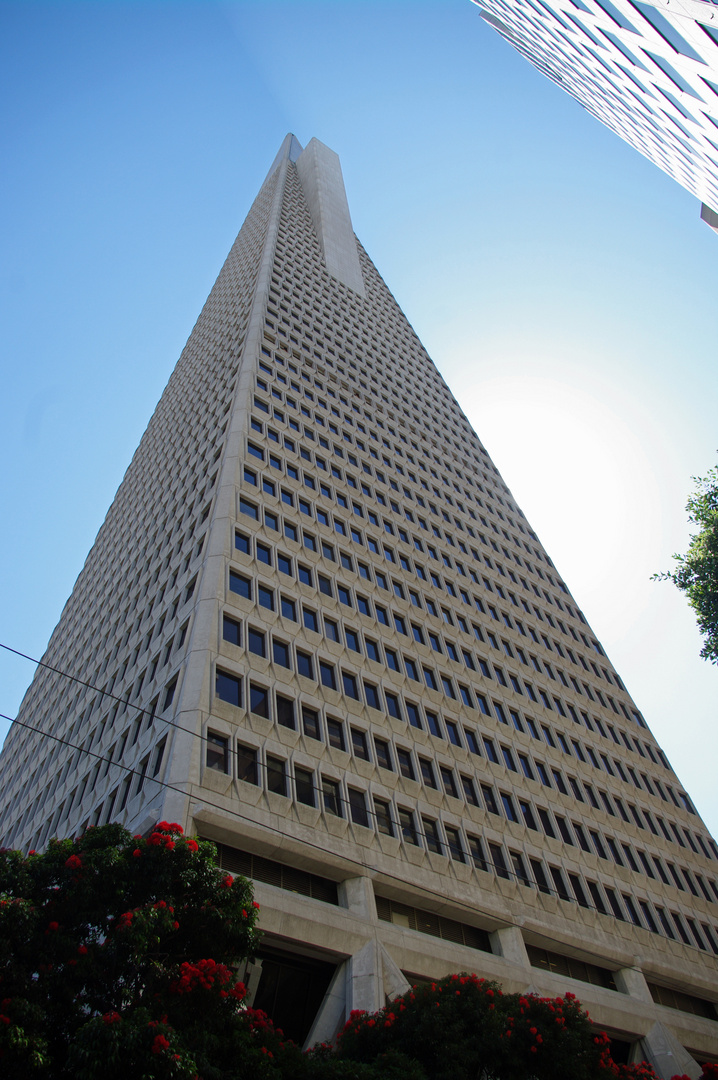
pixel 564 286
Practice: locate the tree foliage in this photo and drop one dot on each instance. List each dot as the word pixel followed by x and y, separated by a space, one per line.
pixel 463 1027
pixel 105 969
pixel 697 572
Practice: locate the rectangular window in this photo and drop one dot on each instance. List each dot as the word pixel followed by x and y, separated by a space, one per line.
pixel 372 696
pixel 351 688
pixel 256 642
pixel 383 754
pixel 217 752
pixel 310 723
pixel 289 609
pixel 469 791
pixel 448 780
pixel 231 630
pixel 408 827
pixel 331 797
pixel 276 775
pixel 247 764
pixel 305 665
pixel 335 734
pixel 406 765
pixel 546 822
pixel 432 836
pixel 393 705
pixel 304 786
pixel 259 700
pixel 359 744
pixel 382 811
pixel 281 653
pixel 285 712
pixel 228 687
pixel 489 799
pixel 453 837
pixel 357 807
pixel 240 585
pixel 265 597
pixel 476 850
pixel 498 861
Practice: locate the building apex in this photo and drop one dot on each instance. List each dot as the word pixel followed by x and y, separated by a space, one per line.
pixel 290 149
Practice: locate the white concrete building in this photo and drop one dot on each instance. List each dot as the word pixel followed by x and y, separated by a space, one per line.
pixel 316 628
pixel 647 69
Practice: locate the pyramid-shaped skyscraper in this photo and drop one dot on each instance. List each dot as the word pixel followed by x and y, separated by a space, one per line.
pixel 316 628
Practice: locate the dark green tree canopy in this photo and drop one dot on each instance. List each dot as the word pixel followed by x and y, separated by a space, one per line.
pixel 697 572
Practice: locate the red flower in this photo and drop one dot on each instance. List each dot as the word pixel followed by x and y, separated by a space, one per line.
pixel 137 853
pixel 112 1018
pixel 192 845
pixel 74 862
pixel 255 905
pixel 226 882
pixel 125 920
pixel 159 1044
pixel 82 950
pixel 169 844
pixel 53 926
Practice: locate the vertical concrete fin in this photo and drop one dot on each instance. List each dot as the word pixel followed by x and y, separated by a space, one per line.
pixel 320 173
pixel 668 1057
pixel 394 981
pixel 364 982
pixel 333 1011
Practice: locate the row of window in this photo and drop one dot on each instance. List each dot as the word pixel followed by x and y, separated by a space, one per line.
pixel 418 370
pixel 285 563
pixel 435 383
pixel 393 819
pixel 421 601
pixel 294 386
pixel 229 688
pixel 279 416
pixel 470 697
pixel 311 482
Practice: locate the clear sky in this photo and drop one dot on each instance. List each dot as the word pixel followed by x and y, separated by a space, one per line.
pixel 564 286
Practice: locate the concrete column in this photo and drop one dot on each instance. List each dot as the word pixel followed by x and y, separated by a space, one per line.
pixel 509 943
pixel 357 896
pixel 661 1049
pixel 332 1013
pixel 631 981
pixel 393 979
pixel 365 986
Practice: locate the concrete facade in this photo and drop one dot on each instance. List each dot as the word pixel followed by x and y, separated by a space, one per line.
pixel 317 629
pixel 647 70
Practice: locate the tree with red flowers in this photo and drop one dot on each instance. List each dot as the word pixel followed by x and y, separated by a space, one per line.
pixel 463 1027
pixel 116 960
